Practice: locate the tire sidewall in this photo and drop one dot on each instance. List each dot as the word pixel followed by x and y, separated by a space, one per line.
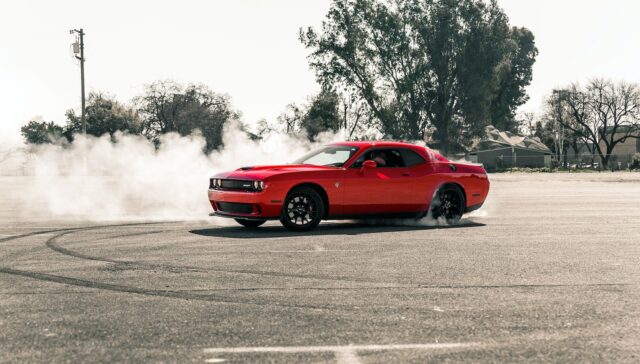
pixel 441 191
pixel 315 196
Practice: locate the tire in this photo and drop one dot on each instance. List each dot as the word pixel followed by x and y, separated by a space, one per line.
pixel 251 224
pixel 302 210
pixel 448 203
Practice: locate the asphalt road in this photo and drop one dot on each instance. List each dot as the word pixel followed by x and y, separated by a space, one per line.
pixel 549 270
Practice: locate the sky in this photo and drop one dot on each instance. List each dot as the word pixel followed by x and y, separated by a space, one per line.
pixel 249 49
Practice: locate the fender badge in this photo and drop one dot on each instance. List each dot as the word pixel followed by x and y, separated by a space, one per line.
pixel 337 184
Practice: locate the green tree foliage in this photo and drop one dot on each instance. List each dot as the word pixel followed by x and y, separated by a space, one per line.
pixel 104 115
pixel 41 132
pixel 167 106
pixel 322 115
pixel 453 66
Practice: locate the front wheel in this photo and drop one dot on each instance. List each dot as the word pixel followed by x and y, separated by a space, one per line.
pixel 448 203
pixel 252 224
pixel 302 209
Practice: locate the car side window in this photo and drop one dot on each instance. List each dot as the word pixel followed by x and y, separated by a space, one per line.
pixel 411 158
pixel 384 158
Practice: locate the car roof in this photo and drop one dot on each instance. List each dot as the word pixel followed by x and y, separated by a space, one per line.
pixel 419 148
pixel 362 144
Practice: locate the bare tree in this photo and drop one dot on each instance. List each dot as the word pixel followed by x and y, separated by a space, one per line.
pixel 527 122
pixel 291 119
pixel 355 116
pixel 605 113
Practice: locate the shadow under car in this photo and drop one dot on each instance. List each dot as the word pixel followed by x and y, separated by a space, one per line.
pixel 330 228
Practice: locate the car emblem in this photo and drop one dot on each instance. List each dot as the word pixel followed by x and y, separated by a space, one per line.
pixel 337 184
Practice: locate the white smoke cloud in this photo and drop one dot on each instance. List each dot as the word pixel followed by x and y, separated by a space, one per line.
pixel 94 179
pixel 97 180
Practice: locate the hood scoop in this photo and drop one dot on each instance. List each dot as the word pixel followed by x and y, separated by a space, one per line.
pixel 246 168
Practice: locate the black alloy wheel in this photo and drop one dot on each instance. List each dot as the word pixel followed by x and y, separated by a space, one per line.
pixel 252 224
pixel 302 209
pixel 448 203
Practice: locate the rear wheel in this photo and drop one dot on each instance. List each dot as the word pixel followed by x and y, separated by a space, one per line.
pixel 302 209
pixel 250 223
pixel 448 203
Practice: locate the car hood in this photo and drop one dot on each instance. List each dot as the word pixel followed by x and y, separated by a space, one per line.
pixel 262 172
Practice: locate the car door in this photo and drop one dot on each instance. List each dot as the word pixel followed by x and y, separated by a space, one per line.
pixel 421 179
pixel 385 189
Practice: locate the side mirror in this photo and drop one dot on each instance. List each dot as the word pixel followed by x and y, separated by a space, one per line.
pixel 368 164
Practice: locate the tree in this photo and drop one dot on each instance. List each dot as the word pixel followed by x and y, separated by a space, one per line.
pixel 514 78
pixel 604 113
pixel 104 115
pixel 167 107
pixel 325 111
pixel 354 116
pixel 41 132
pixel 322 115
pixel 527 122
pixel 443 64
pixel 291 119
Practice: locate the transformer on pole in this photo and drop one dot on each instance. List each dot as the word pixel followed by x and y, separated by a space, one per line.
pixel 78 51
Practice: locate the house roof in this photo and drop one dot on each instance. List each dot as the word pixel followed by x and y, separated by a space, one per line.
pixel 496 139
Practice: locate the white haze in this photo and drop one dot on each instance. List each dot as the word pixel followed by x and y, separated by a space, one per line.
pixel 97 180
pixel 94 179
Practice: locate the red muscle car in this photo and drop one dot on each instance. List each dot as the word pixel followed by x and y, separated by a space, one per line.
pixel 350 180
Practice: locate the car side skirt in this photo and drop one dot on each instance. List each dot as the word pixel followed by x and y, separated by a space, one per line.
pixel 398 215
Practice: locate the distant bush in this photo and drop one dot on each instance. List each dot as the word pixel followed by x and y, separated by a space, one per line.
pixel 525 170
pixel 635 161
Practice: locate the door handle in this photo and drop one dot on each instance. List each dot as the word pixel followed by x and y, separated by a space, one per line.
pixel 406 174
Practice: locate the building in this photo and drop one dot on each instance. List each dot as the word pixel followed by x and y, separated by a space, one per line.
pixel 501 149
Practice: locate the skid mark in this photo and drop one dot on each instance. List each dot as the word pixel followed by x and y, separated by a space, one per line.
pixel 143 291
pixel 53 244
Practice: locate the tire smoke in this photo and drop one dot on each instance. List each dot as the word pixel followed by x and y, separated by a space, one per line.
pixel 95 179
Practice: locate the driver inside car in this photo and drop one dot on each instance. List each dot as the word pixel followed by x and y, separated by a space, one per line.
pixel 380 159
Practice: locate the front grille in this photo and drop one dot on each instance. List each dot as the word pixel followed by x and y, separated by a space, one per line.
pixel 234 185
pixel 235 208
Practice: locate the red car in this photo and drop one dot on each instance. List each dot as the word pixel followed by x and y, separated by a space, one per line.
pixel 350 180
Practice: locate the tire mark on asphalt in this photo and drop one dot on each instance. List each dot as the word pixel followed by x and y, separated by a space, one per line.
pixel 26 235
pixel 68 230
pixel 186 295
pixel 149 292
pixel 80 228
pixel 111 237
pixel 53 244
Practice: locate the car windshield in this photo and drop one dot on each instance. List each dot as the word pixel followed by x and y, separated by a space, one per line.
pixel 332 156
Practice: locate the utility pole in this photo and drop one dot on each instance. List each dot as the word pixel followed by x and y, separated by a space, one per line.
pixel 78 50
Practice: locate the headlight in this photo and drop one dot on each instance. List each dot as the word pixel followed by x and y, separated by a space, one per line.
pixel 218 182
pixel 258 185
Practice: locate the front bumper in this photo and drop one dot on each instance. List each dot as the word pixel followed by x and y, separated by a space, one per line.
pixel 231 216
pixel 261 205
